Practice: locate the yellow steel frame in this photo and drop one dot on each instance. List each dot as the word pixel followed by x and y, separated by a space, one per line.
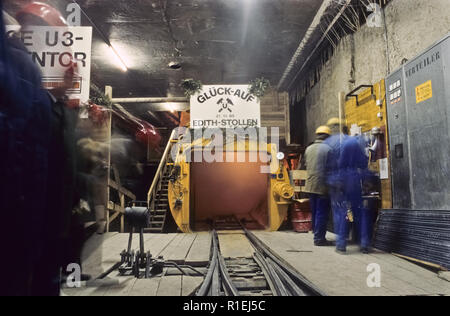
pixel 279 195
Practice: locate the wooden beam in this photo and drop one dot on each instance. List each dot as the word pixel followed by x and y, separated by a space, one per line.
pixel 150 100
pixel 115 208
pixel 122 190
pixel 108 93
pixel 429 264
pixel 114 216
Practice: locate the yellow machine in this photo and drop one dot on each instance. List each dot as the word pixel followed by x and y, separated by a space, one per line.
pixel 365 112
pixel 255 191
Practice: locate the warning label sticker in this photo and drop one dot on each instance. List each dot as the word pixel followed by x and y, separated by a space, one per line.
pixel 424 92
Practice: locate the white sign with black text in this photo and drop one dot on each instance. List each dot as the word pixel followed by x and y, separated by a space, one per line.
pixel 384 169
pixel 54 49
pixel 225 106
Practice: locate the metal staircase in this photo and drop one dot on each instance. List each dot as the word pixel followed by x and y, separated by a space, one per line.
pixel 158 198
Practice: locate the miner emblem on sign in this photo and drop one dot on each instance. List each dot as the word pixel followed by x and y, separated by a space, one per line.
pixel 225 104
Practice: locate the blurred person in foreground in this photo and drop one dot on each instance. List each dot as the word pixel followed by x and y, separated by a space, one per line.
pixel 25 124
pixel 353 164
pixel 62 195
pixel 93 174
pixel 346 164
pixel 365 182
pixel 316 159
pixel 335 183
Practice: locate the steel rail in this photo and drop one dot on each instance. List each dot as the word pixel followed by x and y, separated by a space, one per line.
pixel 259 259
pixel 207 282
pixel 279 285
pixel 230 289
pixel 305 285
pixel 282 279
pixel 214 289
pixel 287 281
pixel 217 274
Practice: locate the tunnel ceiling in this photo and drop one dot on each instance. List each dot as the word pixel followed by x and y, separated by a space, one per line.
pixel 216 41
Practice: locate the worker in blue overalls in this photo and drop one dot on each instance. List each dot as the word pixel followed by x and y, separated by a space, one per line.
pixel 345 165
pixel 353 165
pixel 363 213
pixel 335 183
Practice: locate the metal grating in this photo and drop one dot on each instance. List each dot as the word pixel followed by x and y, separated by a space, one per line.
pixel 422 235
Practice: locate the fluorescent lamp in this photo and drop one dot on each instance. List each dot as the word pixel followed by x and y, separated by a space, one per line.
pixel 118 60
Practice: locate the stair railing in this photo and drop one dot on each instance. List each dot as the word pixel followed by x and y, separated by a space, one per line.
pixel 157 180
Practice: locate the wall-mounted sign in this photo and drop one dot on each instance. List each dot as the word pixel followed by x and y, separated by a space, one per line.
pixel 53 49
pixel 424 92
pixel 384 169
pixel 225 106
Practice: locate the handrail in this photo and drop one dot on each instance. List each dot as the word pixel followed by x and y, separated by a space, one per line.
pixel 161 168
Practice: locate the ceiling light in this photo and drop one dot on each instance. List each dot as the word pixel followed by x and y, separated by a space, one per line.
pixel 118 59
pixel 174 65
pixel 171 107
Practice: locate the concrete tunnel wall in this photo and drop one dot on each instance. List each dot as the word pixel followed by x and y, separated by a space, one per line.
pixel 362 58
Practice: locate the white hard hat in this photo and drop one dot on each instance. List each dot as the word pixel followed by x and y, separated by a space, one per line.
pixel 376 131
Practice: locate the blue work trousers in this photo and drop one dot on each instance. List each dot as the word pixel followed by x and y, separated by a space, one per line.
pixel 320 206
pixel 363 226
pixel 341 225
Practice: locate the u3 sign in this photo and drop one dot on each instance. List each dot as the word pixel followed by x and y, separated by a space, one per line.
pixel 54 49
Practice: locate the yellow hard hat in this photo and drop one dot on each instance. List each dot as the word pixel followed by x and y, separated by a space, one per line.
pixel 323 130
pixel 334 121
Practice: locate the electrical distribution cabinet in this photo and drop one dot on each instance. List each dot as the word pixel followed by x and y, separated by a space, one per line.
pixel 418 106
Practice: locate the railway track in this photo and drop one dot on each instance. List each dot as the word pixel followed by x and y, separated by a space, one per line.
pixel 262 275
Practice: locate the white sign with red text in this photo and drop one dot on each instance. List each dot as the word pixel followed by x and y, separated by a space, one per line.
pixel 54 49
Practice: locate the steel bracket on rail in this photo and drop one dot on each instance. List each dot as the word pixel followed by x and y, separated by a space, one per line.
pixel 142 264
pixel 139 263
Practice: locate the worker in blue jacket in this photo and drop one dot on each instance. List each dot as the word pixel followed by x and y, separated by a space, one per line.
pixel 345 165
pixel 336 183
pixel 24 144
pixel 353 164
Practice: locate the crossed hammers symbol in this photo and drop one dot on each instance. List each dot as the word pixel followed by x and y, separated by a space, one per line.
pixel 225 105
